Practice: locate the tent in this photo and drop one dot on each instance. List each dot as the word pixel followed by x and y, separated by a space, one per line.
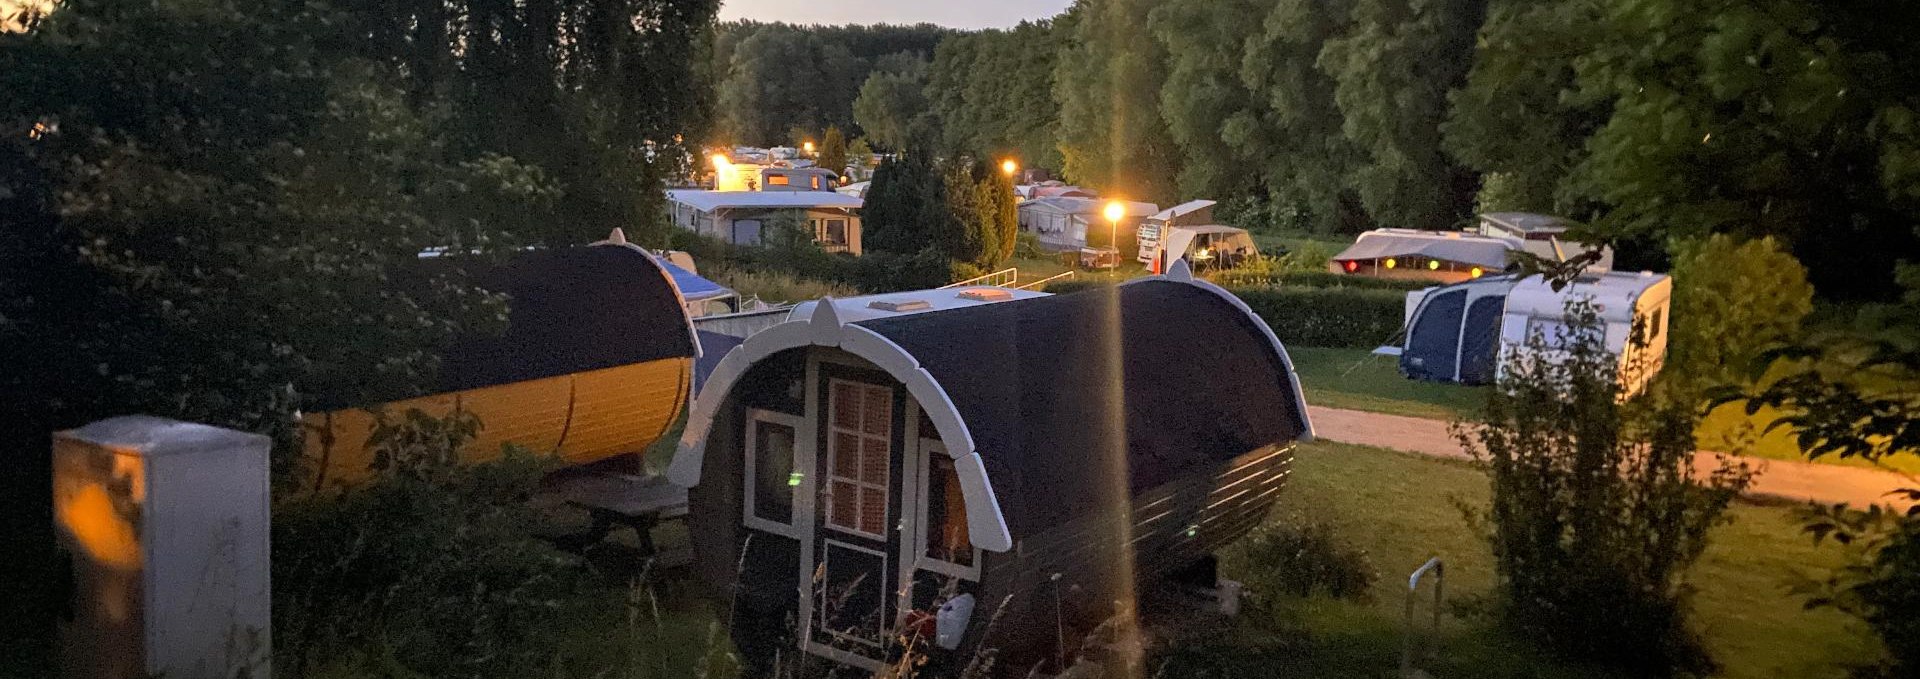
pixel 1465 332
pixel 1202 245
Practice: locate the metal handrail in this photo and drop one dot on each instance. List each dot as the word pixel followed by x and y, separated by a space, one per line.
pixel 1413 585
pixel 999 278
pixel 1044 281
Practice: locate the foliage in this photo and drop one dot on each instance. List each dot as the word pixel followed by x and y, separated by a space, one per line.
pixel 1512 119
pixel 892 106
pixel 1106 80
pixel 983 202
pixel 1596 508
pixel 776 287
pixel 833 150
pixel 431 567
pixel 1303 559
pixel 1731 302
pixel 993 93
pixel 906 206
pixel 1879 583
pixel 1289 277
pixel 1780 118
pixel 1327 317
pixel 1393 71
pixel 809 75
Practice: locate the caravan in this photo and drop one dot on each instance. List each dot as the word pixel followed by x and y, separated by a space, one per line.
pixel 1464 332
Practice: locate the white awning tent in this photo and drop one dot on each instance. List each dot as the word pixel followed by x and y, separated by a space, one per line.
pixel 1489 252
pixel 1186 241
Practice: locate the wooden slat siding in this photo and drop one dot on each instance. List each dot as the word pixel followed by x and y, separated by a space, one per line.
pixel 583 417
pixel 1232 508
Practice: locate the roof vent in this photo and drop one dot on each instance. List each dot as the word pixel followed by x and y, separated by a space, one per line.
pixel 900 306
pixel 986 295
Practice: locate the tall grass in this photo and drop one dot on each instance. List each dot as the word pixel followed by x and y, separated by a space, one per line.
pixel 778 287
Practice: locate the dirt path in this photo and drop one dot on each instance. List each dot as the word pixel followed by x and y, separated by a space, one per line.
pixel 1781 479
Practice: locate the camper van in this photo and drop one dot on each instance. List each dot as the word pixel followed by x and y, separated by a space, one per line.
pixel 914 466
pixel 1466 332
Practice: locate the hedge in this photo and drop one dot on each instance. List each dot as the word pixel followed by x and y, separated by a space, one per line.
pixel 1315 279
pixel 1312 317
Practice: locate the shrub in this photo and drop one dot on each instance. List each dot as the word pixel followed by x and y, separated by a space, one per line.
pixel 778 287
pixel 1879 582
pixel 1305 560
pixel 1328 317
pixel 430 566
pixel 1596 508
pixel 1731 301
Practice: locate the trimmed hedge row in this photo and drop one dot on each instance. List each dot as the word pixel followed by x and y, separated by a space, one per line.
pixel 1343 317
pixel 1314 279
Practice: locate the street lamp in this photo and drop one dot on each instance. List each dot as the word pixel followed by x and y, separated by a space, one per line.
pixel 809 148
pixel 1009 167
pixel 1114 212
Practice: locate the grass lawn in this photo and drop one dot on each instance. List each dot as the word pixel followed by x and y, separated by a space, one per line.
pixel 1033 269
pixel 1294 240
pixel 1401 510
pixel 1355 379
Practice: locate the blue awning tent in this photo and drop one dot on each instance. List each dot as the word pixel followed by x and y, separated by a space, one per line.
pixel 692 286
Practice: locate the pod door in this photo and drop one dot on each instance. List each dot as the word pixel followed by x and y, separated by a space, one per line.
pixel 851 579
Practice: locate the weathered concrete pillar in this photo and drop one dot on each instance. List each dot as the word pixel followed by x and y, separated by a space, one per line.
pixel 166 524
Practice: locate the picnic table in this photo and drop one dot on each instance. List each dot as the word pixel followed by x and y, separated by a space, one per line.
pixel 612 500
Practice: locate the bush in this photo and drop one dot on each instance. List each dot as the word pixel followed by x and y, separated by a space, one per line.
pixel 1596 508
pixel 1731 301
pixel 431 567
pixel 1328 317
pixel 778 287
pixel 1879 582
pixel 1317 278
pixel 1305 560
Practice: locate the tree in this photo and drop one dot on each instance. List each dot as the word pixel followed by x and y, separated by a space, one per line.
pixel 993 94
pixel 906 206
pixel 1778 118
pixel 1393 71
pixel 773 84
pixel 1107 82
pixel 892 107
pixel 1296 133
pixel 1204 94
pixel 983 206
pixel 1514 115
pixel 833 150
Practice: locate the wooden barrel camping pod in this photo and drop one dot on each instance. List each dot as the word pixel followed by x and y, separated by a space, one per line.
pixel 910 472
pixel 596 361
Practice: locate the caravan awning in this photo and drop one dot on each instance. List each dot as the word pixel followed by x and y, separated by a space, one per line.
pixel 1477 251
pixel 692 287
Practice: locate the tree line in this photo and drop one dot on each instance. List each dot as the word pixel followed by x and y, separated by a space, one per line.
pixel 1648 120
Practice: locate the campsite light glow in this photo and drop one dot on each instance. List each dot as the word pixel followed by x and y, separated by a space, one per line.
pixel 1009 167
pixel 1433 265
pixel 1392 263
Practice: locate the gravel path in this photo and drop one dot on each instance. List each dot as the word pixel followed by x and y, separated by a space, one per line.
pixel 1780 479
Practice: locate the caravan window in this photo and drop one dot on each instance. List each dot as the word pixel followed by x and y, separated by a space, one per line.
pixel 946 523
pixel 859 456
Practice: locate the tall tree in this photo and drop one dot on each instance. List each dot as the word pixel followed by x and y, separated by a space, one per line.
pixel 1761 118
pixel 773 84
pixel 1107 82
pixel 1393 71
pixel 993 94
pixel 892 107
pixel 1516 115
pixel 833 149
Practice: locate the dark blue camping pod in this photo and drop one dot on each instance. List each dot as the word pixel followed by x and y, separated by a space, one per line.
pixel 860 485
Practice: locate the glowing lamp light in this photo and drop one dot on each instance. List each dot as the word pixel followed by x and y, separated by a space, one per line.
pixel 720 160
pixel 1475 272
pixel 1115 211
pixel 794 479
pixel 1391 262
pixel 1009 167
pixel 1433 265
pixel 809 147
pixel 1352 266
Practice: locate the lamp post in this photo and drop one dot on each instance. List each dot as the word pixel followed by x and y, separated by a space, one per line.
pixel 1114 211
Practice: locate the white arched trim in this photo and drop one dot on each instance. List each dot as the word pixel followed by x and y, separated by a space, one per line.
pixel 985 523
pixel 1181 273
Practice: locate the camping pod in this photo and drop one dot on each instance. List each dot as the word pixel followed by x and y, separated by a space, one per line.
pixel 596 361
pixel 1466 332
pixel 871 475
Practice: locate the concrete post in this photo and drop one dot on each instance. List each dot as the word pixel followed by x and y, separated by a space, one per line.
pixel 166 524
